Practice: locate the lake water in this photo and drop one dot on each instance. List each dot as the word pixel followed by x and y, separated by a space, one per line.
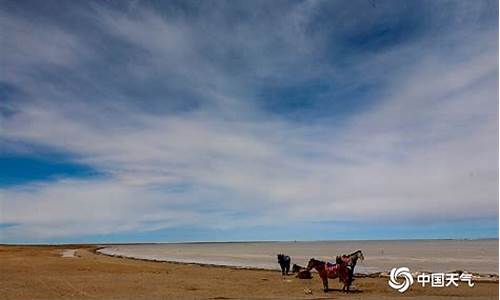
pixel 480 256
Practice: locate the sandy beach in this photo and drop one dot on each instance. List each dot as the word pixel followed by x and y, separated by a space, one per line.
pixel 43 272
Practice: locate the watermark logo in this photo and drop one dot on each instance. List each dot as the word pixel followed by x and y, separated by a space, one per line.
pixel 401 279
pixel 403 273
pixel 444 279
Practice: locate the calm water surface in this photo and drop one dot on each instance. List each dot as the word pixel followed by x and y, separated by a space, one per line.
pixel 479 256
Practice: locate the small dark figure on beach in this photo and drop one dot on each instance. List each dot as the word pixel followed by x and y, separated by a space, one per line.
pixel 302 273
pixel 284 261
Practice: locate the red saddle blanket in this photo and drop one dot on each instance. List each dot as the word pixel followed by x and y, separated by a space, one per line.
pixel 332 268
pixel 337 270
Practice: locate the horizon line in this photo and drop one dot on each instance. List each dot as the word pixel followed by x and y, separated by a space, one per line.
pixel 252 241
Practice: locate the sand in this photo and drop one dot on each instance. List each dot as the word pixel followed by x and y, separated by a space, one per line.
pixel 40 272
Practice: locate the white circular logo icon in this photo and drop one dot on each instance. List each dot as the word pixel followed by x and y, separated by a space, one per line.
pixel 403 272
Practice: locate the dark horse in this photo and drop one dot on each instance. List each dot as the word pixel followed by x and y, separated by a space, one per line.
pixel 351 260
pixel 302 273
pixel 284 261
pixel 332 271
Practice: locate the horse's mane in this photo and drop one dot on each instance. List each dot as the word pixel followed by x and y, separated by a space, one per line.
pixel 316 260
pixel 354 253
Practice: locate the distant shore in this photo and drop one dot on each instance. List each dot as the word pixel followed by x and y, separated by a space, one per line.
pixel 41 272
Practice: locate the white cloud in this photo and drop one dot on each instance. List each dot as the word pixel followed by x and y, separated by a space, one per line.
pixel 427 150
pixel 28 45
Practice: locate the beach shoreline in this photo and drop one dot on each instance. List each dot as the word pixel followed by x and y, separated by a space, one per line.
pixel 479 257
pixel 41 272
pixel 484 277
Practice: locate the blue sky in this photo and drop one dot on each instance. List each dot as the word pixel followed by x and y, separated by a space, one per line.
pixel 234 120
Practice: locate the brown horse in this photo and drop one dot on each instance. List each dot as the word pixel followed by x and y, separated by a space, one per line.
pixel 332 271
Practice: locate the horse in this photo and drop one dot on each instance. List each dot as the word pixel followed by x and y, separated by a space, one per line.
pixel 351 261
pixel 302 273
pixel 353 257
pixel 332 271
pixel 284 261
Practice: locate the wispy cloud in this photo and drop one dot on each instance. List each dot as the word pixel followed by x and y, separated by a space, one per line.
pixel 169 107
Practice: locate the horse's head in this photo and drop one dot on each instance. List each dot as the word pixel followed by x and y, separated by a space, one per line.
pixel 313 263
pixel 296 268
pixel 360 255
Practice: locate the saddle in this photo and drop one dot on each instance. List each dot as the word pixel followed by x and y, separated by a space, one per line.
pixel 340 270
pixel 332 268
pixel 347 261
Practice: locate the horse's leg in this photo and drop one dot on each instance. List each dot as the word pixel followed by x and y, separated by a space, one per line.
pixel 351 275
pixel 325 284
pixel 347 283
pixel 345 288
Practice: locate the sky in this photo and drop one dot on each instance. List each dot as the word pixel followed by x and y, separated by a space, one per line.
pixel 168 121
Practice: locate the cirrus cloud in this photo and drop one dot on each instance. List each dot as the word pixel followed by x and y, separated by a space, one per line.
pixel 170 110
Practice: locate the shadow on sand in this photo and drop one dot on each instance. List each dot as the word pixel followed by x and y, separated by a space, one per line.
pixel 340 290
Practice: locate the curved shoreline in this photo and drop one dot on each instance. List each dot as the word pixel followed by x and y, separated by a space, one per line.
pixel 92 275
pixel 479 277
pixel 97 252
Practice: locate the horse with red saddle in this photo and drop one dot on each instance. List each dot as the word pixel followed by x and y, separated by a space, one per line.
pixel 342 269
pixel 327 270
